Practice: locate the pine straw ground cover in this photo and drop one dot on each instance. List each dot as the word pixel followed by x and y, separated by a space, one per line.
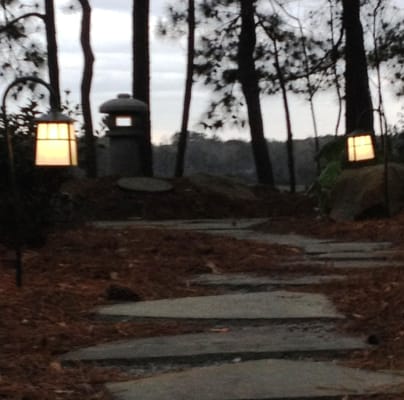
pixel 67 278
pixel 71 274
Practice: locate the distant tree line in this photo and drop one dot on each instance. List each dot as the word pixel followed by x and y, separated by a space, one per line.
pixel 242 50
pixel 234 158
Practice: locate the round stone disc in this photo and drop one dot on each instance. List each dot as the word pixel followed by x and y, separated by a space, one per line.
pixel 144 184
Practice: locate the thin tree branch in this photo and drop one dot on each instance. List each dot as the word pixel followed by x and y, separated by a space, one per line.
pixel 6 27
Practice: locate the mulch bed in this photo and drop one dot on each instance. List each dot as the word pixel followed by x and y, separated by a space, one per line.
pixel 73 273
pixel 75 270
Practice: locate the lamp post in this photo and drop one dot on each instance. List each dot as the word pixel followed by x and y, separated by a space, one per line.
pixel 360 147
pixel 55 145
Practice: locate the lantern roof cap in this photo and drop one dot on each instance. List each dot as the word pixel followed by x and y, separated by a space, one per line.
pixel 360 131
pixel 123 103
pixel 54 116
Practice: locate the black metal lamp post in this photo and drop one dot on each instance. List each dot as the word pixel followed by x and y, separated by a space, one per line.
pixel 55 145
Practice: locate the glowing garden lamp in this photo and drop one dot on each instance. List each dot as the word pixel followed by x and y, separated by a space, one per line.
pixel 55 140
pixel 55 146
pixel 360 146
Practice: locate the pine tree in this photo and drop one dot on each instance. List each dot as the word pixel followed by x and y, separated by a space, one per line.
pixel 141 74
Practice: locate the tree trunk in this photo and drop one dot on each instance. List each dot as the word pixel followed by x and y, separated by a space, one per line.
pixel 141 75
pixel 91 153
pixel 310 88
pixel 311 91
pixel 289 141
pixel 182 142
pixel 52 48
pixel 249 84
pixel 334 69
pixel 358 102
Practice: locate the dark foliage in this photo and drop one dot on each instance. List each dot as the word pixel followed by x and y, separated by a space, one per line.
pixel 141 73
pixel 21 53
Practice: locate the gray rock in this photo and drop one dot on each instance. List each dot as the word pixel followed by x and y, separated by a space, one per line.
pixel 359 192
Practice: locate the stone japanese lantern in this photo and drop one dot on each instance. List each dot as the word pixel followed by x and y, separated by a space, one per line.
pixel 126 117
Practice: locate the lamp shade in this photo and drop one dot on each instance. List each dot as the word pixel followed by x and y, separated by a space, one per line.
pixel 360 146
pixel 55 140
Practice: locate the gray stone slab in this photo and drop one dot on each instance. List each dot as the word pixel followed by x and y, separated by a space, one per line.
pixel 196 224
pixel 288 240
pixel 215 224
pixel 246 343
pixel 342 264
pixel 240 228
pixel 252 281
pixel 363 264
pixel 260 380
pixel 277 305
pixel 371 256
pixel 343 247
pixel 119 224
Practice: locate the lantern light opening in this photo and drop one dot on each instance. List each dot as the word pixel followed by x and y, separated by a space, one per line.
pixel 55 143
pixel 360 147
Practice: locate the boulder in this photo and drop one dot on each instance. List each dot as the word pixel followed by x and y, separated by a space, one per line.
pixel 360 192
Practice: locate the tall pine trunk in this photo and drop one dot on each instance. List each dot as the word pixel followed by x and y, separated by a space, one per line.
pixel 90 149
pixel 52 48
pixel 249 83
pixel 182 142
pixel 141 75
pixel 358 102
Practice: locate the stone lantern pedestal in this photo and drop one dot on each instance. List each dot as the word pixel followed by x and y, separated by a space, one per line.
pixel 125 121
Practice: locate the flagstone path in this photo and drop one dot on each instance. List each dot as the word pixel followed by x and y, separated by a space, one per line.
pixel 265 342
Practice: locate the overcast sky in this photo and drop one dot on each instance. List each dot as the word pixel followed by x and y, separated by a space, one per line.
pixel 111 36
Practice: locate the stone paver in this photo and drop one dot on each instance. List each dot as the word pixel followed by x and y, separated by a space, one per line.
pixel 215 225
pixel 237 228
pixel 252 281
pixel 287 240
pixel 276 305
pixel 354 255
pixel 246 343
pixel 292 325
pixel 352 264
pixel 318 249
pixel 197 224
pixel 342 264
pixel 263 380
pixel 343 247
